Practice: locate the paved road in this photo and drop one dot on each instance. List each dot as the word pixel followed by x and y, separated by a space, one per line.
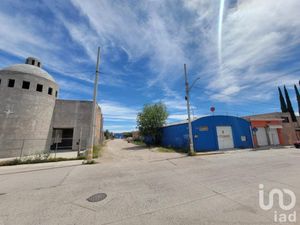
pixel 147 187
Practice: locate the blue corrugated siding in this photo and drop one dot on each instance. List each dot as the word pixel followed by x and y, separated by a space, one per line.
pixel 175 136
pixel 206 139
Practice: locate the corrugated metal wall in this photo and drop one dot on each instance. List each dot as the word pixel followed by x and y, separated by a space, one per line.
pixel 205 134
pixel 175 136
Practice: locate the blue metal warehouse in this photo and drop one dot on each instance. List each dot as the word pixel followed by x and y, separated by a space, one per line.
pixel 118 136
pixel 210 133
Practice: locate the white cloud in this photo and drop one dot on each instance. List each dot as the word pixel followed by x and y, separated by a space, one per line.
pixel 118 112
pixel 74 87
pixel 118 117
pixel 15 35
pixel 177 117
pixel 142 29
pixel 119 129
pixel 24 34
pixel 257 37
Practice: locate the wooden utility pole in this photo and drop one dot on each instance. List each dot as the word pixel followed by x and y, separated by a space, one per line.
pixel 187 98
pixel 93 119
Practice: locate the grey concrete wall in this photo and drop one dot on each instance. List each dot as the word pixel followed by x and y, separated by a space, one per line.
pixel 25 115
pixel 77 115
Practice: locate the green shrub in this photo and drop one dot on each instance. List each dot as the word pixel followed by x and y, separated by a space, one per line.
pixel 138 142
pixel 97 151
pixel 34 160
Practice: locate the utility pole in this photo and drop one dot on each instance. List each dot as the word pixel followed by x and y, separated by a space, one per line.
pixel 187 98
pixel 93 120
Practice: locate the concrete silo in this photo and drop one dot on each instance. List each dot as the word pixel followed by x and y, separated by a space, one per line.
pixel 27 100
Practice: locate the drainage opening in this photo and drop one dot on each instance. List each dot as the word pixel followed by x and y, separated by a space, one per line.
pixel 97 197
pixel 2 193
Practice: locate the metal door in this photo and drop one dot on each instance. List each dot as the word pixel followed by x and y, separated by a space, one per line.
pixel 273 137
pixel 225 138
pixel 261 136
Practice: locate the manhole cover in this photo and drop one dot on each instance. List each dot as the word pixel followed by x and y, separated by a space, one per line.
pixel 97 197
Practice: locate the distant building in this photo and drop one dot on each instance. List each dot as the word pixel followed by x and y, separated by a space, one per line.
pixel 118 135
pixel 275 127
pixel 30 113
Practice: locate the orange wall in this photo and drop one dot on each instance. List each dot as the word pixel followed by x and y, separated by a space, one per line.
pixel 265 123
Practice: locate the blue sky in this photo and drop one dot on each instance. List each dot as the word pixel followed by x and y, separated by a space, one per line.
pixel 144 45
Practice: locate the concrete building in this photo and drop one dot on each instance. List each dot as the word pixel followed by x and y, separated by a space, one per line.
pixel 30 112
pixel 27 99
pixel 71 123
pixel 210 133
pixel 288 131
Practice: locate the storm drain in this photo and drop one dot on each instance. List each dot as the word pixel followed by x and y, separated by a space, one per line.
pixel 97 197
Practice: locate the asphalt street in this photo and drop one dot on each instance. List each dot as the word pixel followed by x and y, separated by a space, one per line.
pixel 144 186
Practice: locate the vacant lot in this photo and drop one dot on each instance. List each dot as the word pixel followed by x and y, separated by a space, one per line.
pixel 148 187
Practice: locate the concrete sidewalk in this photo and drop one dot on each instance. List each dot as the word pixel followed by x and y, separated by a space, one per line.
pixel 4 170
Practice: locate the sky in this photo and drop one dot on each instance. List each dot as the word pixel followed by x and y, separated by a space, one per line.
pixel 144 45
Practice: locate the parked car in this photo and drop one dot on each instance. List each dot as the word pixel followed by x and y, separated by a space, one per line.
pixel 297 144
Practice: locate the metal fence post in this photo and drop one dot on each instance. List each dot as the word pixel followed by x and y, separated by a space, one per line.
pixel 79 144
pixel 22 148
pixel 56 145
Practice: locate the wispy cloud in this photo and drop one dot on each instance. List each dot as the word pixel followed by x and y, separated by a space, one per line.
pixel 116 111
pixel 142 29
pixel 144 45
pixel 258 42
pixel 27 34
pixel 118 117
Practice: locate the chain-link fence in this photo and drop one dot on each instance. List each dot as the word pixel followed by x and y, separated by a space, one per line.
pixel 12 148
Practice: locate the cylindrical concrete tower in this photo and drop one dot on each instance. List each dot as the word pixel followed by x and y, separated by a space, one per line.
pixel 27 100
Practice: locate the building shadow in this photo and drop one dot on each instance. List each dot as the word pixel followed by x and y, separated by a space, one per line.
pixel 135 148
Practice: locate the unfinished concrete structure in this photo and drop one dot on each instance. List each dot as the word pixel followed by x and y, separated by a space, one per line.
pixel 27 99
pixel 30 114
pixel 71 125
